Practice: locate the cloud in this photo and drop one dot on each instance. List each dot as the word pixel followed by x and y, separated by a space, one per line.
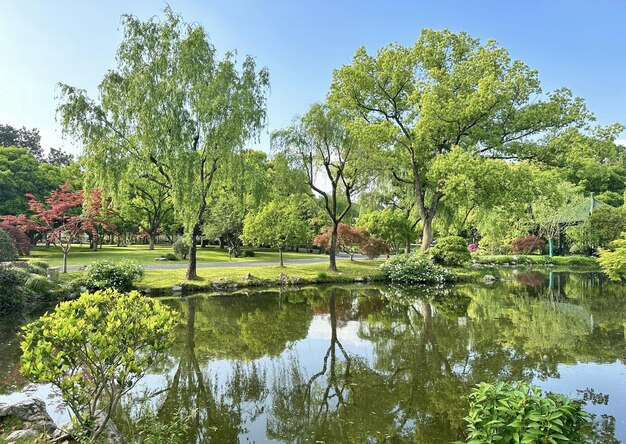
pixel 620 142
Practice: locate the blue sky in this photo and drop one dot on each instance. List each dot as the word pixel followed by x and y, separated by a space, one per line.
pixel 578 44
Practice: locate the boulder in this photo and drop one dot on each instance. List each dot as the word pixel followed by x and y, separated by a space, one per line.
pixel 489 279
pixel 31 411
pixel 283 278
pixel 359 279
pixel 296 280
pixel 34 416
pixel 14 264
pixel 110 435
pixel 22 434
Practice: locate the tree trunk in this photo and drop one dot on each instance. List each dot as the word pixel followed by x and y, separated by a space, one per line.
pixel 407 245
pixel 151 238
pixel 221 240
pixel 427 233
pixel 280 253
pixel 333 249
pixel 191 268
pixel 65 262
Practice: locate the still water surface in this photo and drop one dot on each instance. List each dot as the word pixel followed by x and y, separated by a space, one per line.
pixel 365 364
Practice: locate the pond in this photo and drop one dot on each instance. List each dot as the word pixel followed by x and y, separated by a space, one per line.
pixel 377 364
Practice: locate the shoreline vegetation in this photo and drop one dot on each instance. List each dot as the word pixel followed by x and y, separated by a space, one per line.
pixel 109 268
pixel 157 282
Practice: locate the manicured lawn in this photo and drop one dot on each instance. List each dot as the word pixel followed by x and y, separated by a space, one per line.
pixel 308 273
pixel 82 255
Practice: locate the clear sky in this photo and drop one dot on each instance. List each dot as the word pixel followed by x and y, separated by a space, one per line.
pixel 578 44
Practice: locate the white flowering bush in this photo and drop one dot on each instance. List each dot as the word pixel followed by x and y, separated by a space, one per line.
pixel 414 269
pixel 104 274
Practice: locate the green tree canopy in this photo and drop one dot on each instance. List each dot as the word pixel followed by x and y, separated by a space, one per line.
pixel 171 111
pixel 22 173
pixel 450 90
pixel 279 224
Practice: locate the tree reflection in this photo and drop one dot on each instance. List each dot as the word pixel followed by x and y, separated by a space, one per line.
pixel 391 365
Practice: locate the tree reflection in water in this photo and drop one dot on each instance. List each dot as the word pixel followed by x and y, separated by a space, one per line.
pixel 391 364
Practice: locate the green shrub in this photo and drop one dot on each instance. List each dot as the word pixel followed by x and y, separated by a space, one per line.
pixel 493 245
pixel 587 261
pixel 322 276
pixel 170 257
pixel 450 250
pixel 181 248
pixel 516 412
pixel 148 427
pixel 105 274
pixel 247 253
pixel 613 261
pixel 8 252
pixel 34 269
pixel 12 291
pixel 39 284
pixel 95 349
pixel 413 269
pixel 39 264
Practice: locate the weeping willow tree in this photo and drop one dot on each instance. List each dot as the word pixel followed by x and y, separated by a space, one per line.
pixel 171 112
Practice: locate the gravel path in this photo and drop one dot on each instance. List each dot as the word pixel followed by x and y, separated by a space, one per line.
pixel 183 265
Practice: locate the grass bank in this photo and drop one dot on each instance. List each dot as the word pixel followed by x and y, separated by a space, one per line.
pixel 141 254
pixel 162 281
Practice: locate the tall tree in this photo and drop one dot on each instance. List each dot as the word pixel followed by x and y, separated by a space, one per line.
pixel 21 173
pixel 171 112
pixel 450 90
pixel 146 206
pixel 22 138
pixel 322 145
pixel 58 157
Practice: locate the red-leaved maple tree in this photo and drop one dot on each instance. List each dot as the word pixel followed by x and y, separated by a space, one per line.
pixel 60 218
pixel 351 240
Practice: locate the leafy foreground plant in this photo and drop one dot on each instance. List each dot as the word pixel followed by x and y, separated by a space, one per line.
pixel 94 350
pixel 516 412
pixel 613 261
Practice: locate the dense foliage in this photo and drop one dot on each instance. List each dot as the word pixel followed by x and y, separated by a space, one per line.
pixel 8 252
pixel 602 227
pixel 19 238
pixel 12 288
pixel 450 250
pixel 278 225
pixel 23 173
pixel 374 247
pixel 120 276
pixel 517 412
pixel 94 350
pixel 181 248
pixel 613 259
pixel 351 240
pixel 413 269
